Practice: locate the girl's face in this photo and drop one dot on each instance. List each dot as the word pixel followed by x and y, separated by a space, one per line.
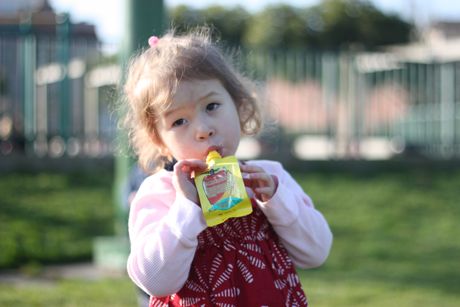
pixel 201 118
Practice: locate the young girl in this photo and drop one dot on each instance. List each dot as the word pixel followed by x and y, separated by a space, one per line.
pixel 185 101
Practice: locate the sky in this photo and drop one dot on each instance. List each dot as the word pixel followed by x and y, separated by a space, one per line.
pixel 108 17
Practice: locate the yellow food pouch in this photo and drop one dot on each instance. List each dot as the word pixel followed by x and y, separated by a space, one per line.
pixel 221 190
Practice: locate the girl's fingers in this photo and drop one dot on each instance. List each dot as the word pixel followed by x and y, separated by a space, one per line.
pixel 258 179
pixel 264 193
pixel 262 183
pixel 188 166
pixel 182 179
pixel 192 163
pixel 264 190
pixel 259 176
pixel 251 169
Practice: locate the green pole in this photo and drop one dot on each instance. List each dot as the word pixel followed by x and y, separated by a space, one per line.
pixel 28 40
pixel 63 41
pixel 143 18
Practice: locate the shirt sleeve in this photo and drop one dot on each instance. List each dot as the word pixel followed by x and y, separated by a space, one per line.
pixel 302 229
pixel 163 232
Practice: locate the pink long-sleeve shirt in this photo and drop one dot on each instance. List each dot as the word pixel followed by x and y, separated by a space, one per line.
pixel 164 228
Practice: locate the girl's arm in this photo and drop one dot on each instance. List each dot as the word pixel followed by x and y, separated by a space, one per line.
pixel 302 229
pixel 163 238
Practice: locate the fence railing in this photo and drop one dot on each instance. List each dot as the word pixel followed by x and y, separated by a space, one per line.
pixel 53 104
pixel 332 105
pixel 361 105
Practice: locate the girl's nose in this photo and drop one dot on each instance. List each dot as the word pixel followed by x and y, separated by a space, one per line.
pixel 204 132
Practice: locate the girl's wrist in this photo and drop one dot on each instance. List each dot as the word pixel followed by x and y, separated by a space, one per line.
pixel 193 197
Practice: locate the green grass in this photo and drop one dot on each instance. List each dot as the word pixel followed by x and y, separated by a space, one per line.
pixel 48 218
pixel 395 238
pixel 70 293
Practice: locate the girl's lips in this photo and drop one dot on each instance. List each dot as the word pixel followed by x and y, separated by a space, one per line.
pixel 214 148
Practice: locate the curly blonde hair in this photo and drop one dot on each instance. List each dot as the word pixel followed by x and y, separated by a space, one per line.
pixel 152 79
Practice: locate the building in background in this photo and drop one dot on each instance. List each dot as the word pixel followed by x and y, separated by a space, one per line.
pixel 439 42
pixel 43 57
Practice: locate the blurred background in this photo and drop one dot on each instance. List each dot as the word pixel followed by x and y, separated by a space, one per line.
pixel 362 102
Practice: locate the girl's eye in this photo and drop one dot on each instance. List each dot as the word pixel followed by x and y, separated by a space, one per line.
pixel 212 106
pixel 179 122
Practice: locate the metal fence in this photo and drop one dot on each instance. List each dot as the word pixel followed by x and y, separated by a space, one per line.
pixel 332 105
pixel 54 99
pixel 365 105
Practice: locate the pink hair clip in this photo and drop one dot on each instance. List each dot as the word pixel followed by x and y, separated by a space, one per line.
pixel 153 41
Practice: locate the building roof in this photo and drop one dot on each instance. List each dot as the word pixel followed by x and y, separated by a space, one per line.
pixel 439 42
pixel 8 8
pixel 39 17
pixel 448 29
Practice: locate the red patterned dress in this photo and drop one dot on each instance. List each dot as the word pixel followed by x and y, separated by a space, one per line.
pixel 239 263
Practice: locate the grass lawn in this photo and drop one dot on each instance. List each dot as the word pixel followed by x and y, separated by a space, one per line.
pixel 49 218
pixel 395 238
pixel 69 293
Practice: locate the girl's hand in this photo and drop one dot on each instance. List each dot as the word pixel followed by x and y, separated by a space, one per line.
pixel 182 178
pixel 263 184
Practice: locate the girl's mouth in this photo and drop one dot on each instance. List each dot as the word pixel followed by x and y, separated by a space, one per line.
pixel 219 149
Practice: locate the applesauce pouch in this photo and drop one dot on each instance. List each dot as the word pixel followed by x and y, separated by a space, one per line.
pixel 221 190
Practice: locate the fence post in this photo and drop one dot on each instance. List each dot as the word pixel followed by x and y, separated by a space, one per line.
pixel 330 83
pixel 447 110
pixel 28 48
pixel 29 65
pixel 63 41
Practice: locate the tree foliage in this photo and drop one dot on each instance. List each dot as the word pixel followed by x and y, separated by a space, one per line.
pixel 358 23
pixel 330 25
pixel 229 24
